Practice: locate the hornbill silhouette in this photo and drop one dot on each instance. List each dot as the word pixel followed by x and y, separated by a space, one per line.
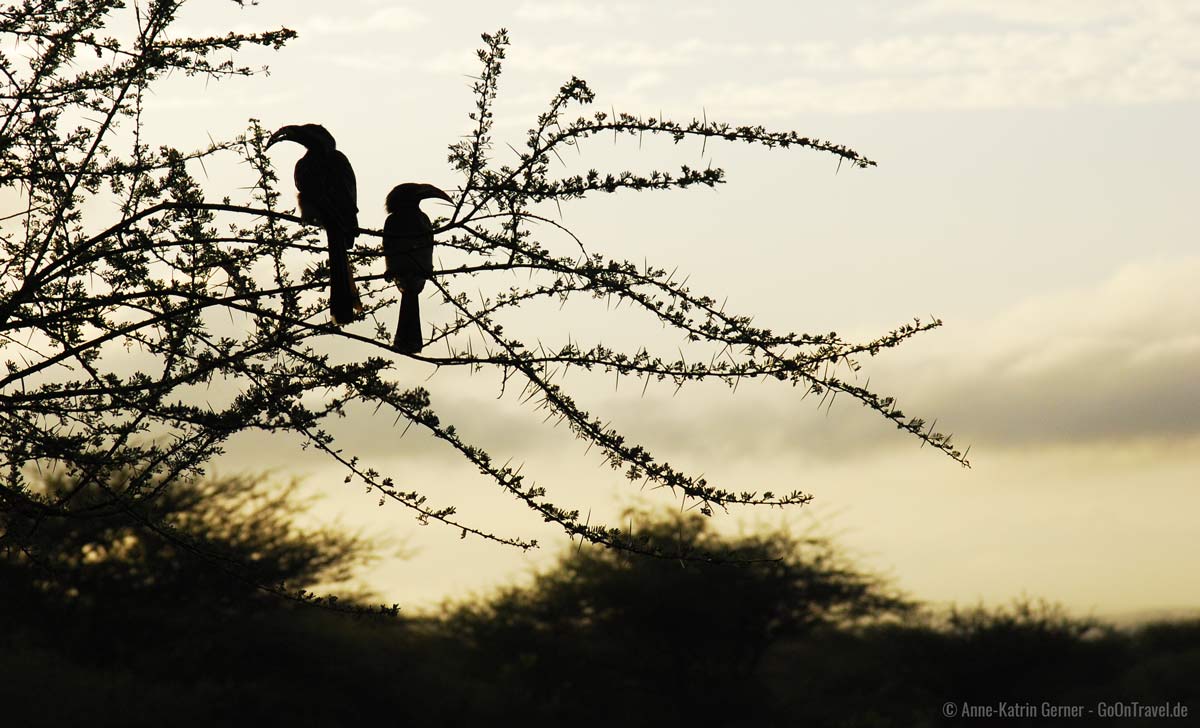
pixel 408 250
pixel 328 196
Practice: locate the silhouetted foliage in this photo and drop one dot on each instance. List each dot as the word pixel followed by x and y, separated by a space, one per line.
pixel 901 674
pixel 137 613
pixel 107 584
pixel 601 637
pixel 128 287
pixel 214 539
pixel 667 636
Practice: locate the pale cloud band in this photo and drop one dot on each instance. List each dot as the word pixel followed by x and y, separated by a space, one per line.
pixel 925 56
pixel 1116 363
pixel 1109 366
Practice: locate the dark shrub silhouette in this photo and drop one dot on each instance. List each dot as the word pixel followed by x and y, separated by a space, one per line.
pixel 106 622
pixel 127 615
pixel 670 637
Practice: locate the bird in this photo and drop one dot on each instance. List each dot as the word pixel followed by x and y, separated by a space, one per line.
pixel 408 252
pixel 327 194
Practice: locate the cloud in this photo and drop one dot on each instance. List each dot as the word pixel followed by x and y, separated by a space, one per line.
pixel 1046 12
pixel 385 20
pixel 1019 55
pixel 620 54
pixel 1114 363
pixel 1063 53
pixel 1135 63
pixel 573 12
pixel 562 59
pixel 645 80
pixel 381 64
pixel 233 99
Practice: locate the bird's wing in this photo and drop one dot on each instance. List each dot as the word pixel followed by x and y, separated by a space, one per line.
pixel 424 250
pixel 393 245
pixel 329 194
pixel 408 246
pixel 309 181
pixel 342 190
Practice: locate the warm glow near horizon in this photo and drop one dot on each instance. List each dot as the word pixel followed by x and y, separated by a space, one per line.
pixel 1036 190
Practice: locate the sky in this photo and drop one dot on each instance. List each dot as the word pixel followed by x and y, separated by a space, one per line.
pixel 1037 170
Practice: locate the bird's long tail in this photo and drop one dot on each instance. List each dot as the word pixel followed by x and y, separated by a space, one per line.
pixel 408 328
pixel 344 304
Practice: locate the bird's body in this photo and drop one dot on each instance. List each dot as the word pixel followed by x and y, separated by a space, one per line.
pixel 408 250
pixel 327 194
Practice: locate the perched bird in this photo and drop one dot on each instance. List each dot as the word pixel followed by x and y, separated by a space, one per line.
pixel 328 196
pixel 408 250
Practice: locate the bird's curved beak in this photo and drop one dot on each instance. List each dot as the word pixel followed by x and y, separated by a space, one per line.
pixel 429 191
pixel 279 136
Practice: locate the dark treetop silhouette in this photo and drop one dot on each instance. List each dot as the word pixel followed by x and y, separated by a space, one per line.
pixel 146 322
pixel 328 196
pixel 408 247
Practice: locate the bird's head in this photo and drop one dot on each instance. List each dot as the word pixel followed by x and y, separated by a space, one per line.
pixel 312 136
pixel 411 193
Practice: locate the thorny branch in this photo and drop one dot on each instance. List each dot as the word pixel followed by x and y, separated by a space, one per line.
pixel 204 292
